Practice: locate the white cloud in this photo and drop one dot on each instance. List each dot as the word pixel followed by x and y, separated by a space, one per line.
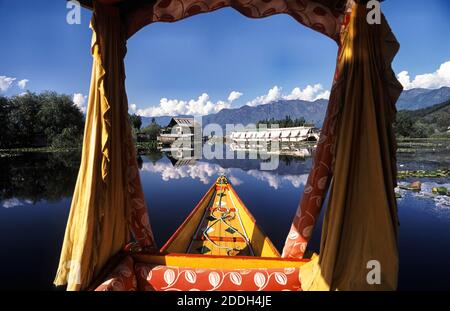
pixel 80 101
pixel 207 172
pixel 275 181
pixel 196 107
pixel 272 95
pixel 437 79
pixel 23 83
pixel 235 181
pixel 203 104
pixel 202 171
pixel 132 108
pixel 309 93
pixel 10 203
pixel 234 95
pixel 404 79
pixel 5 83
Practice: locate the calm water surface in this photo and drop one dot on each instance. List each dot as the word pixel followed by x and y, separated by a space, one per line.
pixel 36 189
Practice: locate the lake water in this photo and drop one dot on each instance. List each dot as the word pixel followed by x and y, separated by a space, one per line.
pixel 36 189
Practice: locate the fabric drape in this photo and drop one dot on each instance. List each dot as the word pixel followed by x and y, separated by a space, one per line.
pixel 360 226
pixel 324 16
pixel 319 178
pixel 108 201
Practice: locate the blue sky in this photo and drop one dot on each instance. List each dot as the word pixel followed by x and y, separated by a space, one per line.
pixel 209 55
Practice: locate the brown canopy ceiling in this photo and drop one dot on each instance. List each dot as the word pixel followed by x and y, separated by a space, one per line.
pixel 321 15
pixel 139 3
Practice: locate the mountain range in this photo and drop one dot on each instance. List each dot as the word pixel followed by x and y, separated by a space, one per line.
pixel 313 112
pixel 422 98
pixel 432 114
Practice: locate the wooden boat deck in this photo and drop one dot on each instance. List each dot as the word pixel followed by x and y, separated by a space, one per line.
pixel 216 237
pixel 220 225
pixel 192 246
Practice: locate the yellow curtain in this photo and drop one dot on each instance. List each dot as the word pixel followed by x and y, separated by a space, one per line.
pixel 359 234
pixel 108 200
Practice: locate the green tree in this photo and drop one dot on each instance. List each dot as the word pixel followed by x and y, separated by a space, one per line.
pixel 300 121
pixel 421 130
pixel 61 121
pixel 68 138
pixel 39 120
pixel 443 122
pixel 286 122
pixel 136 121
pixel 403 124
pixel 26 130
pixel 5 139
pixel 152 130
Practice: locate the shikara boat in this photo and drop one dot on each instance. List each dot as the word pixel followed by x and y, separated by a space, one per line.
pixel 221 225
pixel 218 247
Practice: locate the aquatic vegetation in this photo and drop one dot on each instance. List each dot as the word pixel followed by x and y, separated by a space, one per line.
pixel 441 190
pixel 424 174
pixel 9 153
pixel 422 145
pixel 144 147
pixel 437 192
pixel 415 186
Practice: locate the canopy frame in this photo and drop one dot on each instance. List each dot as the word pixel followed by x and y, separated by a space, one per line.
pixel 115 21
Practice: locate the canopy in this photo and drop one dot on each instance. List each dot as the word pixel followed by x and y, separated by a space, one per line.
pixel 356 146
pixel 295 133
pixel 261 134
pixel 304 131
pixel 249 134
pixel 275 134
pixel 285 133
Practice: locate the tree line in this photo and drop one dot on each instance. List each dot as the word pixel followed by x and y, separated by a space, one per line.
pixel 148 133
pixel 286 122
pixel 47 119
pixel 50 119
pixel 423 123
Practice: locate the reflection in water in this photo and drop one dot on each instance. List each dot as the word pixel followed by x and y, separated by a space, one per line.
pixel 438 159
pixel 36 190
pixel 51 177
pixel 207 172
pixel 35 177
pixel 275 181
pixel 9 203
pixel 202 171
pixel 292 150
